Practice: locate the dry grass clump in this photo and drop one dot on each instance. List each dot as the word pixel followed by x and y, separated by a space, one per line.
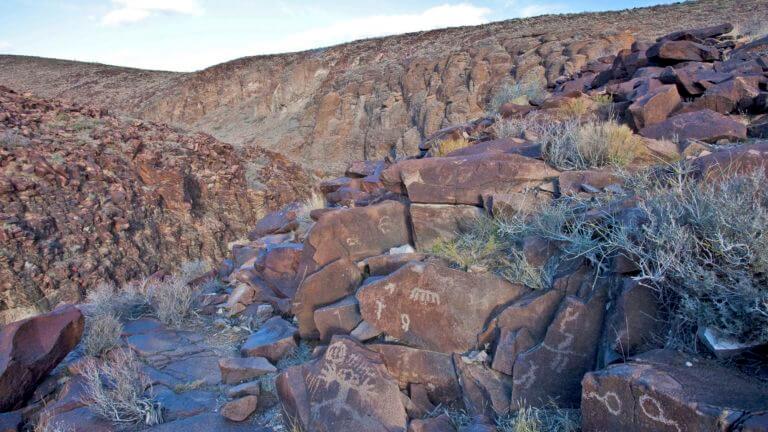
pixel 541 420
pixel 314 202
pixel 450 145
pixel 116 390
pixel 128 302
pixel 172 300
pixel 10 139
pixel 752 30
pixel 570 144
pixel 531 86
pixel 102 333
pixel 514 127
pixel 488 244
pixel 704 247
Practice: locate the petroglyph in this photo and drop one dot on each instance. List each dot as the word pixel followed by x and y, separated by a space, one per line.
pixel 424 296
pixel 527 380
pixel 389 288
pixel 352 242
pixel 657 412
pixel 562 351
pixel 610 400
pixel 405 322
pixel 379 308
pixel 385 225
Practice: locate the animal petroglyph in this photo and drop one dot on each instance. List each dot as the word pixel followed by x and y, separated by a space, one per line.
pixel 389 288
pixel 561 350
pixel 654 411
pixel 424 296
pixel 352 242
pixel 405 322
pixel 610 400
pixel 527 380
pixel 379 308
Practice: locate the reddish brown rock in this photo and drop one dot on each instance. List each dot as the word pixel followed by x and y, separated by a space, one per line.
pixel 632 323
pixel 355 233
pixel 382 265
pixel 699 33
pixel 704 125
pixel 31 348
pixel 279 268
pixel 668 391
pixel 332 283
pixel 347 389
pixel 511 204
pixel 419 301
pixel 238 369
pixel 575 182
pixel 741 160
pixel 239 409
pixel 277 222
pixel 441 423
pixel 682 50
pixel 486 392
pixel 433 370
pixel 433 223
pixel 273 340
pixel 738 94
pixel 364 168
pixel 655 106
pixel 338 318
pixel 464 179
pixel 554 368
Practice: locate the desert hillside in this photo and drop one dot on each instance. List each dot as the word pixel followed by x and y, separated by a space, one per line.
pixel 365 99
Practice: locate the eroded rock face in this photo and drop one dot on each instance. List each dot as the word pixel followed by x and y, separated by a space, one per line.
pixel 31 348
pixel 464 179
pixel 433 223
pixel 348 389
pixel 419 302
pixel 668 391
pixel 273 340
pixel 704 125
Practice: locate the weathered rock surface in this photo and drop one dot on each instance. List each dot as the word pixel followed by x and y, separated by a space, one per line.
pixel 90 197
pixel 433 223
pixel 667 391
pixel 237 369
pixel 348 389
pixel 31 348
pixel 417 303
pixel 704 125
pixel 239 409
pixel 273 340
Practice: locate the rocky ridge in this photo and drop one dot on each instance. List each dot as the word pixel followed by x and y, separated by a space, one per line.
pixel 371 98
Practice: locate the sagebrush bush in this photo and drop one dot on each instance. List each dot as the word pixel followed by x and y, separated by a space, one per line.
pixel 450 145
pixel 128 302
pixel 514 127
pixel 704 247
pixel 117 390
pixel 102 333
pixel 541 420
pixel 530 86
pixel 571 144
pixel 172 300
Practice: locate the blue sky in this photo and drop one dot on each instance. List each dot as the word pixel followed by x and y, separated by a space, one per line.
pixel 186 35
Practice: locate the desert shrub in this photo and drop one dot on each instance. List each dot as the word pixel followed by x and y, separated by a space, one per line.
pixel 128 302
pixel 570 144
pixel 47 425
pixel 172 300
pixel 191 270
pixel 751 30
pixel 116 390
pixel 704 248
pixel 487 244
pixel 540 420
pixel 10 139
pixel 102 333
pixel 531 86
pixel 449 145
pixel 314 202
pixel 575 107
pixel 514 127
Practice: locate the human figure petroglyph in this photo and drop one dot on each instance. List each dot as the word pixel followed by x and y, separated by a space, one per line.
pixel 610 400
pixel 647 402
pixel 385 224
pixel 379 308
pixel 561 350
pixel 405 322
pixel 424 296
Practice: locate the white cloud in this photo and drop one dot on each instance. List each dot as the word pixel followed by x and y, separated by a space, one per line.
pixel 5 45
pixel 447 15
pixel 526 9
pixel 131 11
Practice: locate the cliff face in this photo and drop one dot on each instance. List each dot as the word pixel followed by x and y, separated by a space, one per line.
pixel 87 197
pixel 364 99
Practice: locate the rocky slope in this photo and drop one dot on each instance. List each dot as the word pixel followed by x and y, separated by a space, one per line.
pixel 90 197
pixel 364 99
